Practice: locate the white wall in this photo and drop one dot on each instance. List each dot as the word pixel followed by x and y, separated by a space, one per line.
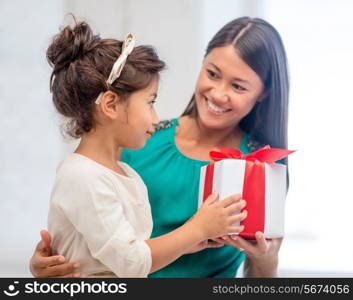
pixel 172 27
pixel 319 41
pixel 30 145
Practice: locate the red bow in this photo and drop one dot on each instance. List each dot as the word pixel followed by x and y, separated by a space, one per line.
pixel 265 154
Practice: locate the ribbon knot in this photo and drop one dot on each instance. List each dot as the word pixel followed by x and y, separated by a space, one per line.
pixel 266 154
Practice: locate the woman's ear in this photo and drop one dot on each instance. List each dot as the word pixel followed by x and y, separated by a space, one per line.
pixel 263 96
pixel 110 105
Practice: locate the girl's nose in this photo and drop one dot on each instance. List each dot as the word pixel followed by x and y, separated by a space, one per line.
pixel 155 118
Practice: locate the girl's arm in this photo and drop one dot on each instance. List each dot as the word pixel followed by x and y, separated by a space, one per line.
pixel 164 249
pixel 169 247
pixel 212 220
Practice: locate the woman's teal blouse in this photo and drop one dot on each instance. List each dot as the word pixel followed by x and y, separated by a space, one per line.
pixel 172 180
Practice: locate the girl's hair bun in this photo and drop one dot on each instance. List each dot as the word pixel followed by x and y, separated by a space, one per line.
pixel 81 65
pixel 70 44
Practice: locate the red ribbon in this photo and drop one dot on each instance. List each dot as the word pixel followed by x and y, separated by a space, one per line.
pixel 254 183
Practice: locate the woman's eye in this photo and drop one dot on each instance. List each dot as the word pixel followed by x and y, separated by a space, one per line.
pixel 238 87
pixel 212 74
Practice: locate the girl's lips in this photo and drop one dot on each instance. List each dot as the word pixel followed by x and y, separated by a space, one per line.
pixel 150 132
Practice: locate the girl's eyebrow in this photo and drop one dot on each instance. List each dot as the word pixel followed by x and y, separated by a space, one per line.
pixel 154 95
pixel 235 78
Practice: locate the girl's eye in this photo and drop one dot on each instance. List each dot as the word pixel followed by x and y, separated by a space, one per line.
pixel 212 74
pixel 238 87
pixel 151 103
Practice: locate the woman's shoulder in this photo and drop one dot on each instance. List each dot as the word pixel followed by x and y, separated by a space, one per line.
pixel 164 133
pixel 253 144
pixel 162 139
pixel 165 125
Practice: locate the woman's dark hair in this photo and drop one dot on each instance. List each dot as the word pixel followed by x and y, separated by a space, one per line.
pixel 260 46
pixel 82 62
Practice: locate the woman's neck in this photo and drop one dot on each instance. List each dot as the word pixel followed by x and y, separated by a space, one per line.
pixel 193 130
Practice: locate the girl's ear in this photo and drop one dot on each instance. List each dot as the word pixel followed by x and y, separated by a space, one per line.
pixel 110 105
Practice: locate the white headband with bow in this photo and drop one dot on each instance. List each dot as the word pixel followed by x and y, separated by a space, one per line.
pixel 128 46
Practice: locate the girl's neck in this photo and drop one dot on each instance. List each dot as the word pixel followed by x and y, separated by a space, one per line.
pixel 192 129
pixel 100 147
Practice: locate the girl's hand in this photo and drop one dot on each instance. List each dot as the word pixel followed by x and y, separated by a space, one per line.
pixel 44 264
pixel 216 218
pixel 262 256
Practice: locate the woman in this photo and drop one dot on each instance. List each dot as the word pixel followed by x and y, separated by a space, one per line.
pixel 240 101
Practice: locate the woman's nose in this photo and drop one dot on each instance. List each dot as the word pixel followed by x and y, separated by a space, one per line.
pixel 219 94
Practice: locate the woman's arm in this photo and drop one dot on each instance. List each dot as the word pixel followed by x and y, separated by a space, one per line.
pixel 44 264
pixel 262 260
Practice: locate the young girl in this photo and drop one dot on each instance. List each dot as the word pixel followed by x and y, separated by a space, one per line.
pixel 99 212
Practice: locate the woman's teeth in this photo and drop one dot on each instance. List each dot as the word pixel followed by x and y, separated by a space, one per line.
pixel 216 109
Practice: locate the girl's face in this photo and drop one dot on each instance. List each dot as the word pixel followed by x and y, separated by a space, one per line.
pixel 137 117
pixel 227 89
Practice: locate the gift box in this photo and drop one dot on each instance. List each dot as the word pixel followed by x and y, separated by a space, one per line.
pixel 260 181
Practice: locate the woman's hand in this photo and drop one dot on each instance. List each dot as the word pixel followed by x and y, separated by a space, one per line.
pixel 262 256
pixel 205 244
pixel 43 264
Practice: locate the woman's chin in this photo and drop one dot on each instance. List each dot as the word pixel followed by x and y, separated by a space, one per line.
pixel 212 122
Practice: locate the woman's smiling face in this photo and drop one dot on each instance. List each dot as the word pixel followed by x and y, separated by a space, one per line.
pixel 227 89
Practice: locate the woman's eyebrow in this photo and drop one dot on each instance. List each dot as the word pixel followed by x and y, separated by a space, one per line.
pixel 235 78
pixel 240 79
pixel 218 69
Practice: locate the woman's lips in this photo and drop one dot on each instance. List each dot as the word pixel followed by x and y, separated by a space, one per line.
pixel 215 108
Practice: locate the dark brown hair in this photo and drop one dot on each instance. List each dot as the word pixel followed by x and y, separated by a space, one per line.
pixel 260 46
pixel 82 62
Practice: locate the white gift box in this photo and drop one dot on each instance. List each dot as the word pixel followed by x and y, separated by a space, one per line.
pixel 228 179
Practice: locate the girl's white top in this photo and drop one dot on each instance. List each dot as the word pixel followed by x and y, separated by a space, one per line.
pixel 100 218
